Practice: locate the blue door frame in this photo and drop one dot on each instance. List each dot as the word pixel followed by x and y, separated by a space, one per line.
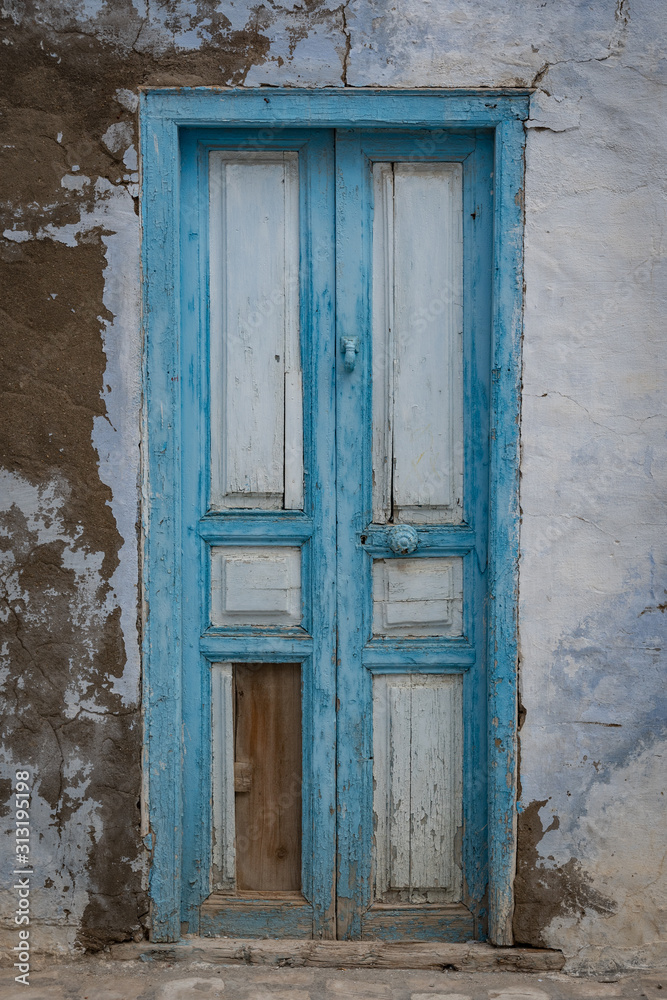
pixel 176 768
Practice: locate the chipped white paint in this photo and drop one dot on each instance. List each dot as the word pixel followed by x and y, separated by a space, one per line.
pixel 418 787
pixel 417 343
pixel 222 777
pixel 418 596
pixel 258 586
pixel 256 405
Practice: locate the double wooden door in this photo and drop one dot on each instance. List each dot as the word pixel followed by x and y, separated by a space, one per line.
pixel 335 435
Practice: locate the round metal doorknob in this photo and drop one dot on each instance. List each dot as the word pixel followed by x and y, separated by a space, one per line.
pixel 403 539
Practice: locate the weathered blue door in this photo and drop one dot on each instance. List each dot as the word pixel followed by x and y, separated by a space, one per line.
pixel 335 367
pixel 413 232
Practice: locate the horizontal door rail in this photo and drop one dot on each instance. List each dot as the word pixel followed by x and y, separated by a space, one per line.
pixel 255 529
pixel 432 540
pixel 249 648
pixel 433 656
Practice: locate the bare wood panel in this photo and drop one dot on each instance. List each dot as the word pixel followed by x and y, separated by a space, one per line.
pixel 267 742
pixel 222 748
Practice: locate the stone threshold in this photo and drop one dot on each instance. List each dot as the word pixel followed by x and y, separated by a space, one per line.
pixel 470 957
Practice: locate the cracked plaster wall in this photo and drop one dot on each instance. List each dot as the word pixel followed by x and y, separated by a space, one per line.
pixel 590 871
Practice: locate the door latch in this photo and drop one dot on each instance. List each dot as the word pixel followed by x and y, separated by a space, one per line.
pixel 350 348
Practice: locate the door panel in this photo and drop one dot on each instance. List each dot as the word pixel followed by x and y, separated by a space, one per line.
pixel 256 404
pixel 267 776
pixel 418 785
pixel 417 342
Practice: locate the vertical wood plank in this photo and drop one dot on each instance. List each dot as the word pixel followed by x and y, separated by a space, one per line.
pixel 267 738
pixel 400 748
pixel 504 521
pixel 319 673
pixel 354 505
pixel 383 339
pixel 381 786
pixel 222 777
pixel 293 487
pixel 162 641
pixel 293 440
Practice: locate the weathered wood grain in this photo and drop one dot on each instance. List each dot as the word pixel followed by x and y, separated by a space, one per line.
pixel 418 787
pixel 267 737
pixel 467 957
pixel 257 915
pixel 223 875
pixel 406 922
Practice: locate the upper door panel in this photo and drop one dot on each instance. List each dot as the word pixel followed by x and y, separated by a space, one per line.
pixel 255 369
pixel 417 343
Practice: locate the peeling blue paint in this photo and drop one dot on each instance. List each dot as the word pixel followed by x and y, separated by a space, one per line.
pixel 177 716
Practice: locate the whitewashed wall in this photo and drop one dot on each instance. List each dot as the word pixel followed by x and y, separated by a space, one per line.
pixel 594 477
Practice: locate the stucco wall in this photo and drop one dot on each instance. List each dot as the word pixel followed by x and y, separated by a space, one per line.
pixel 591 877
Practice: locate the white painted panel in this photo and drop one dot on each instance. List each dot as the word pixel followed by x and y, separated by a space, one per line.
pixel 418 787
pixel 418 343
pixel 418 596
pixel 256 401
pixel 436 784
pixel 222 770
pixel 257 586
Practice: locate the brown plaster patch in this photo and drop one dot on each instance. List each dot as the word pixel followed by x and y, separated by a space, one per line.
pixel 59 76
pixel 542 893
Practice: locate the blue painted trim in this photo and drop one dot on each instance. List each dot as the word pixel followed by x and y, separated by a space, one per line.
pixel 504 524
pixel 336 108
pixel 253 648
pixel 435 540
pixel 256 918
pixel 256 530
pixel 354 506
pixel 406 922
pixel 161 518
pixel 415 655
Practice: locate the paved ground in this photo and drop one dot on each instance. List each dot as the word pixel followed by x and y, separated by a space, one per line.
pixel 97 979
